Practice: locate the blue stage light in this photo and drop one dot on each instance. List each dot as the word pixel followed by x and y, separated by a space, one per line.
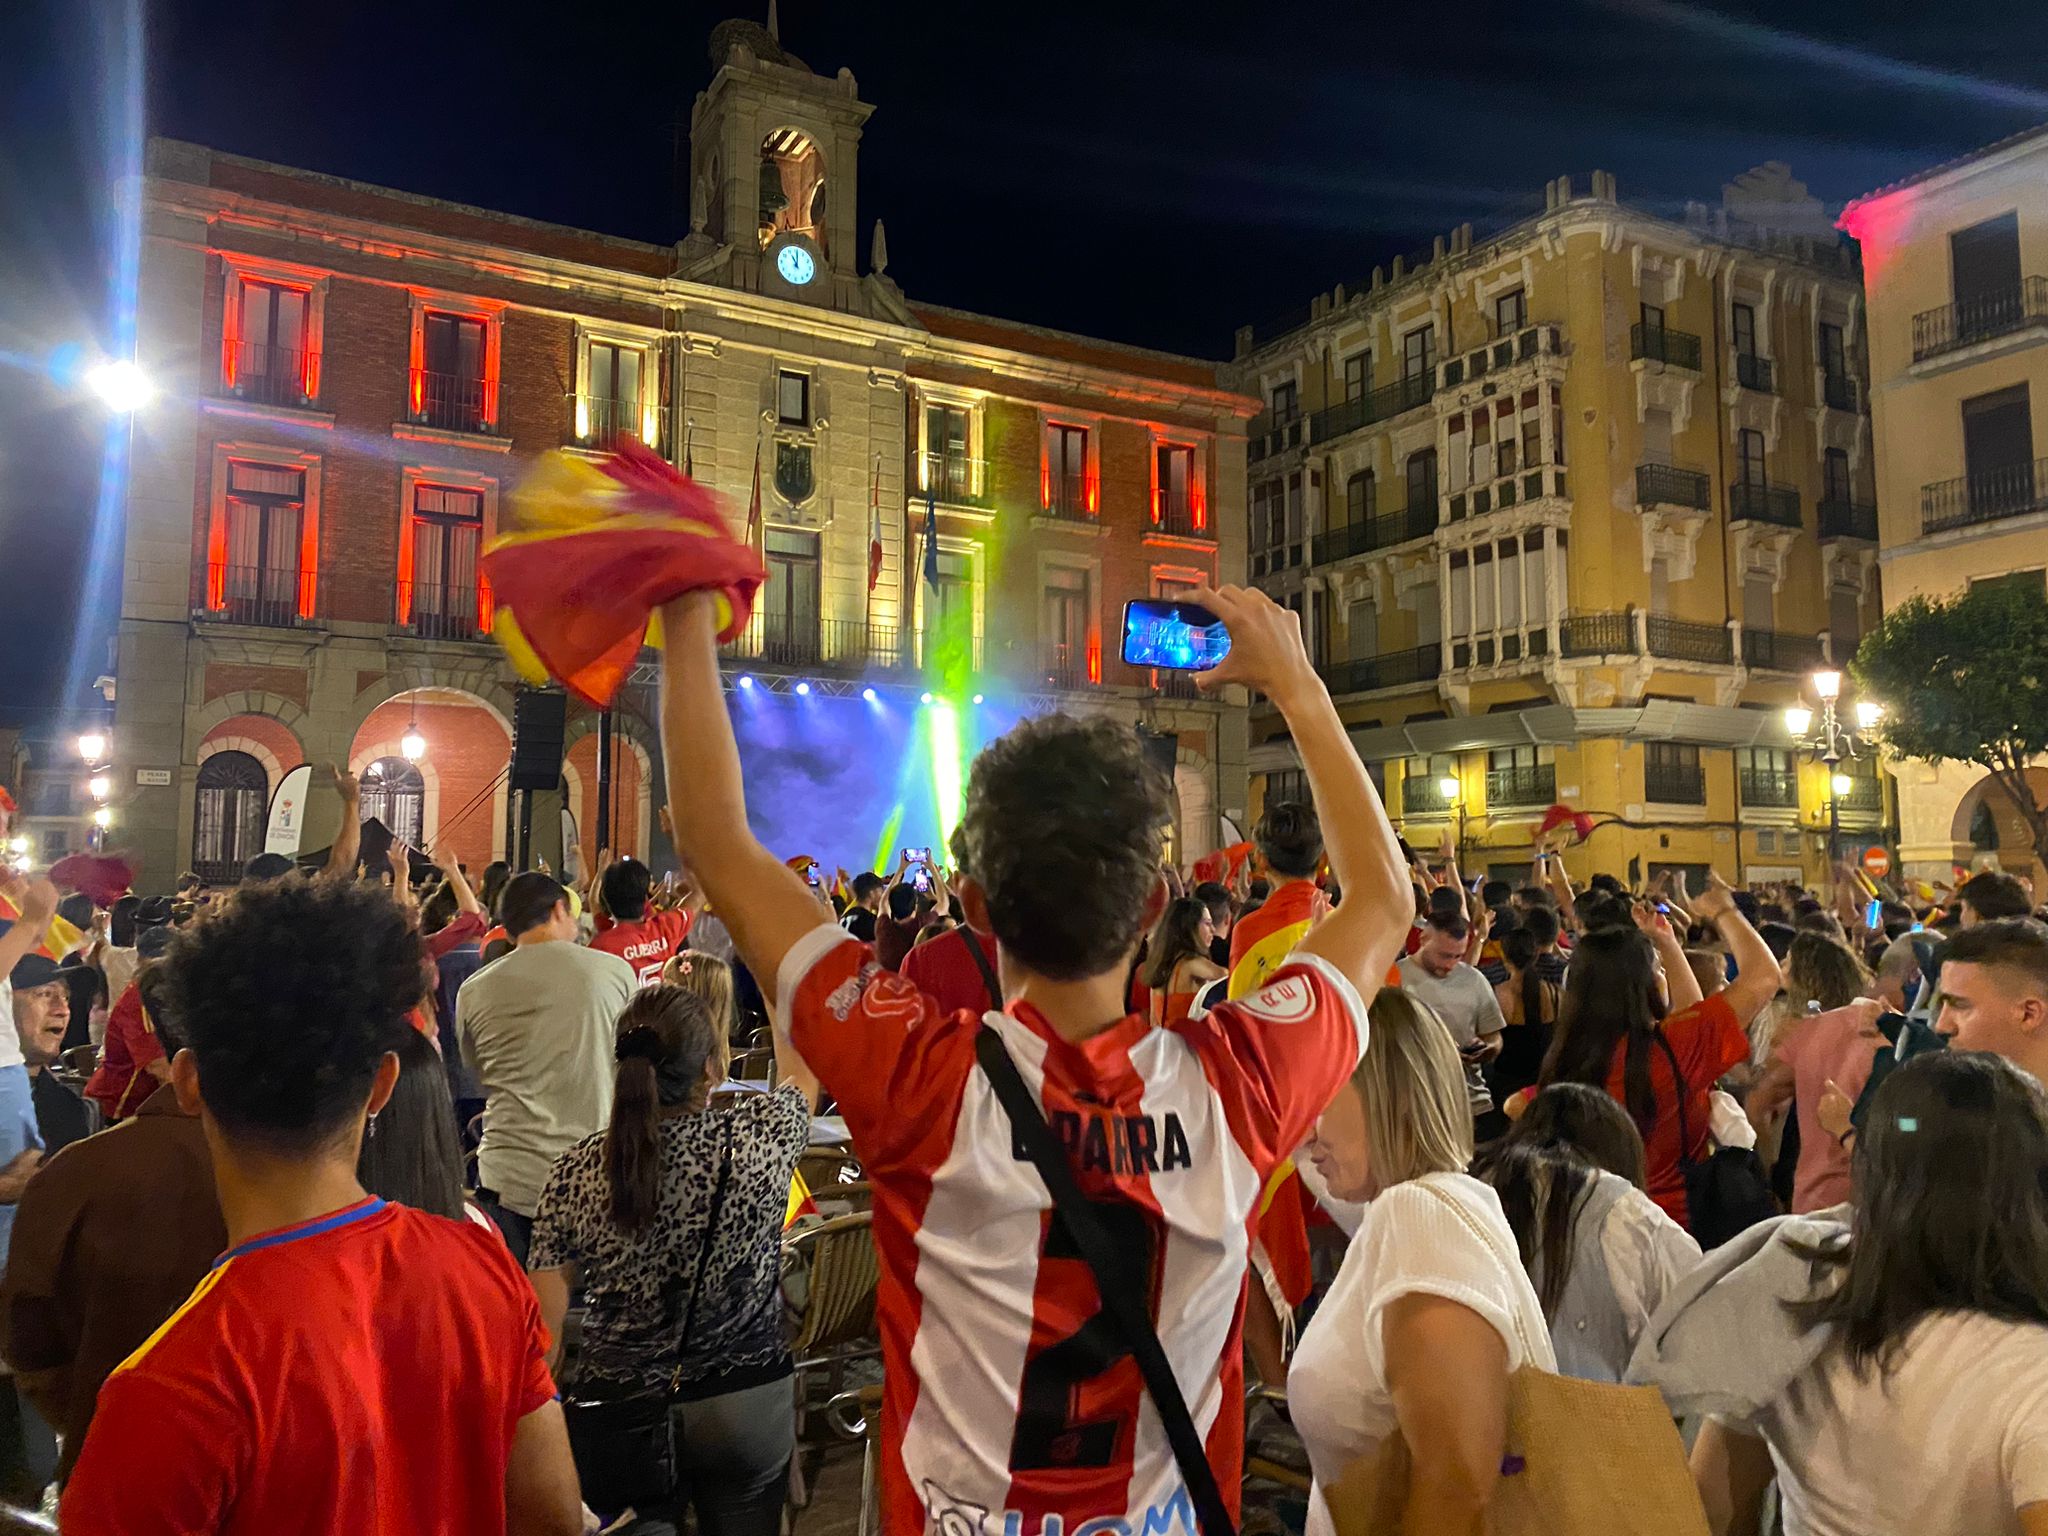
pixel 746 682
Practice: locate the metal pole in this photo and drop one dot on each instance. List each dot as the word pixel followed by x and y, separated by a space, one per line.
pixel 525 829
pixel 604 780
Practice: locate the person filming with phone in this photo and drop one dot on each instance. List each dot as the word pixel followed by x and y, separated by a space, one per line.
pixel 996 1322
pixel 1438 975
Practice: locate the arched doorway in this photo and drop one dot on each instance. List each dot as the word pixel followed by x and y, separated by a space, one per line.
pixel 232 795
pixel 395 793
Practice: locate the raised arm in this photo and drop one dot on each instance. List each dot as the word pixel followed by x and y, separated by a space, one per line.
pixel 1365 932
pixel 766 906
pixel 1681 987
pixel 1757 977
pixel 458 883
pixel 348 841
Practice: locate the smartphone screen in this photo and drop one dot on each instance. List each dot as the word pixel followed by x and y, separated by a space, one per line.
pixel 1179 637
pixel 1874 913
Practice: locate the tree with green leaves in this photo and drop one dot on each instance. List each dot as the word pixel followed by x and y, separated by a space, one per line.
pixel 1965 679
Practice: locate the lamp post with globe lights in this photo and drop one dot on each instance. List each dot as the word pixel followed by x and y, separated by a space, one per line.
pixel 1826 737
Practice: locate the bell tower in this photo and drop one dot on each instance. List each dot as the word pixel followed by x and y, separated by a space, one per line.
pixel 774 161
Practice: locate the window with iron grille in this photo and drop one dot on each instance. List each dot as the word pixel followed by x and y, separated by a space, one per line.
pixel 395 793
pixel 451 388
pixel 613 397
pixel 269 359
pixel 231 797
pixel 259 579
pixel 447 538
pixel 946 438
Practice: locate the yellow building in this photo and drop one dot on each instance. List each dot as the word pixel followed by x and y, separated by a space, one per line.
pixel 1567 512
pixel 1956 267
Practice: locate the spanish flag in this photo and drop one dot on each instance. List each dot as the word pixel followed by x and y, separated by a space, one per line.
pixel 59 940
pixel 593 550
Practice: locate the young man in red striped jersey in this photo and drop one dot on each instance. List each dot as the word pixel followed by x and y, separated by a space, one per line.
pixel 1012 1407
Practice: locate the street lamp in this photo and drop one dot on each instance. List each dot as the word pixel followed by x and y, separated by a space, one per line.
pixel 121 385
pixel 98 786
pixel 92 746
pixel 1447 787
pixel 103 818
pixel 1833 742
pixel 412 744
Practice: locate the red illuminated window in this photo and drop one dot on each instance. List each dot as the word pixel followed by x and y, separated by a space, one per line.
pixel 1176 506
pixel 267 344
pixel 451 388
pixel 260 547
pixel 1069 484
pixel 440 594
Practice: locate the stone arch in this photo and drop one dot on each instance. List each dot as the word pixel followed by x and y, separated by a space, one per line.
pixel 215 713
pixel 633 738
pixel 469 743
pixel 1195 804
pixel 2015 850
pixel 264 737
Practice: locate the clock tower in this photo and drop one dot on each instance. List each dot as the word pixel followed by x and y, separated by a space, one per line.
pixel 774 156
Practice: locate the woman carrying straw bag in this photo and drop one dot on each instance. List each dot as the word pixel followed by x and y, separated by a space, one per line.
pixel 1424 1390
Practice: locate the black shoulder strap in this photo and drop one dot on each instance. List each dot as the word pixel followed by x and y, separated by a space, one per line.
pixel 1685 1157
pixel 1127 1311
pixel 988 972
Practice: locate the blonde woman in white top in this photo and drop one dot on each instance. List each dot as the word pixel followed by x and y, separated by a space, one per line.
pixel 1431 1312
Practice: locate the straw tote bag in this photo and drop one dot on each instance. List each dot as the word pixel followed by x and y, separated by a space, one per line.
pixel 1582 1457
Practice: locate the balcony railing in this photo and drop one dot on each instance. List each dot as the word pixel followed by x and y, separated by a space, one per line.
pixel 1683 640
pixel 1768 788
pixel 1674 783
pixel 1528 785
pixel 1753 372
pixel 1838 390
pixel 1981 317
pixel 271 375
pixel 1382 404
pixel 1066 668
pixel 1518 347
pixel 1673 485
pixel 452 402
pixel 1421 795
pixel 1381 532
pixel 604 423
pixel 1984 497
pixel 1659 344
pixel 1067 499
pixel 958 480
pixel 1848 520
pixel 798 640
pixel 1596 634
pixel 1863 795
pixel 1774 504
pixel 1777 650
pixel 1393 669
pixel 1176 515
pixel 267 596
pixel 437 610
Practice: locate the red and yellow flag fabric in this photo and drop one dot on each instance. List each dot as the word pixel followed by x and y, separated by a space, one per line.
pixel 593 550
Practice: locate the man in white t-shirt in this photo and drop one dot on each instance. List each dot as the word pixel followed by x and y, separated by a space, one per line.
pixel 1013 1404
pixel 538 1027
pixel 1437 974
pixel 1994 991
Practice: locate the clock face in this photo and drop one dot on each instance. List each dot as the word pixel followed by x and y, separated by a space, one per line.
pixel 795 265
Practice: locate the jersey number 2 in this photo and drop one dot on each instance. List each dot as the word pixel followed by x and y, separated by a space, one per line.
pixel 1050 1430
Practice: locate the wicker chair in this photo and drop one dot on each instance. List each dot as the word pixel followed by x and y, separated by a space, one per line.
pixel 822 1167
pixel 857 1415
pixel 833 1266
pixel 753 1066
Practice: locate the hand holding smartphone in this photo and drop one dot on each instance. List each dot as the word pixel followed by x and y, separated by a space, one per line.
pixel 1173 636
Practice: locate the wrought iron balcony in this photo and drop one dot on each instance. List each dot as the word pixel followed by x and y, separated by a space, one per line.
pixel 1839 391
pixel 605 423
pixel 1683 640
pixel 1774 504
pixel 1529 785
pixel 1669 783
pixel 1778 651
pixel 269 597
pixel 958 480
pixel 1381 532
pixel 1984 497
pixel 1981 317
pixel 1864 795
pixel 1768 788
pixel 443 610
pixel 1673 485
pixel 1421 795
pixel 1067 499
pixel 452 402
pixel 1067 669
pixel 1848 520
pixel 1382 404
pixel 1392 669
pixel 1596 634
pixel 1753 372
pixel 1176 515
pixel 1660 344
pixel 270 375
pixel 798 640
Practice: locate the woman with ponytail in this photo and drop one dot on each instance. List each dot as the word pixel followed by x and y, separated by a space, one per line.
pixel 670 1219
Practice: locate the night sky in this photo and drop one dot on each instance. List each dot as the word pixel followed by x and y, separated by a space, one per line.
pixel 1151 178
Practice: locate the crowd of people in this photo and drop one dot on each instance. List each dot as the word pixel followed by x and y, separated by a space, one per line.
pixel 427 1205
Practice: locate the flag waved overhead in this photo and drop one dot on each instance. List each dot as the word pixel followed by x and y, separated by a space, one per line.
pixel 593 550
